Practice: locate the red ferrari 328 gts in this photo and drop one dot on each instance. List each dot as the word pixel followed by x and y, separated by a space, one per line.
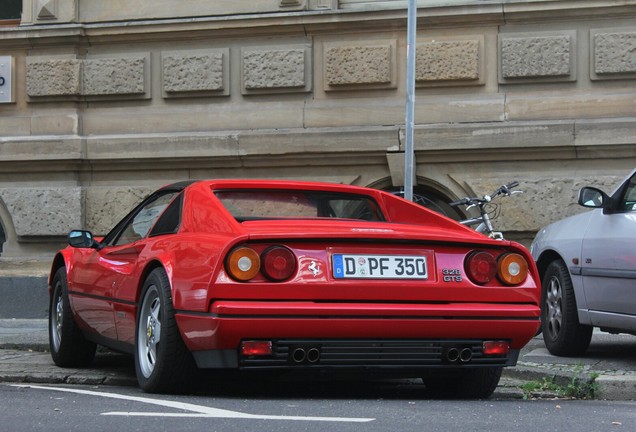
pixel 247 274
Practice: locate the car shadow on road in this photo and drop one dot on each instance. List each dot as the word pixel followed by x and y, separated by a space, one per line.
pixel 306 386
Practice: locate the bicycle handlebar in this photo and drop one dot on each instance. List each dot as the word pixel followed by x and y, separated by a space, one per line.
pixel 503 190
pixel 460 202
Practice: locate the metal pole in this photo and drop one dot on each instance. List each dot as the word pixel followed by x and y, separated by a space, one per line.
pixel 410 99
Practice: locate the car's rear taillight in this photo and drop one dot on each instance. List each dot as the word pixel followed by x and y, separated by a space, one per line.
pixel 513 268
pixel 278 263
pixel 256 348
pixel 481 267
pixel 496 348
pixel 243 263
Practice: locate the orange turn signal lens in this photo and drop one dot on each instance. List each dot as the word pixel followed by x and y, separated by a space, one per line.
pixel 243 263
pixel 512 269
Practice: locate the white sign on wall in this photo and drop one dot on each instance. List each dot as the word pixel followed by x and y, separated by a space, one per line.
pixel 6 79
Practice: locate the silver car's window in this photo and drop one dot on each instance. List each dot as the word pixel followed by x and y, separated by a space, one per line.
pixel 628 202
pixel 144 220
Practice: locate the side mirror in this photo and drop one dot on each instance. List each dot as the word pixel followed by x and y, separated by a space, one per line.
pixel 82 239
pixel 593 198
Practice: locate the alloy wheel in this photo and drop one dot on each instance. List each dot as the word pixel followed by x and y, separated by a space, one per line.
pixel 553 302
pixel 57 316
pixel 149 331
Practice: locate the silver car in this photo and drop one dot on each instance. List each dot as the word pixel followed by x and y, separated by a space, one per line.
pixel 587 265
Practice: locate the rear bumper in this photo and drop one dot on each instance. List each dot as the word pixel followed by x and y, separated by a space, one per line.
pixel 215 337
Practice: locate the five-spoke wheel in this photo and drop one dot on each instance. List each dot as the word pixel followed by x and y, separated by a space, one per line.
pixel 162 361
pixel 69 347
pixel 149 331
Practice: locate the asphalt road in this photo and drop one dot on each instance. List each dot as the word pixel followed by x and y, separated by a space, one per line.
pixel 339 407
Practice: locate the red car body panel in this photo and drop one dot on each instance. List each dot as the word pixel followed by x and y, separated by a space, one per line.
pixel 216 312
pixel 234 321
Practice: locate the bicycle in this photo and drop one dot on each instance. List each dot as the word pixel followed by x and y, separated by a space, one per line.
pixel 487 210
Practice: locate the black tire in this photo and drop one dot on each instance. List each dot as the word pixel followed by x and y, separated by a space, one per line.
pixel 562 333
pixel 69 347
pixel 163 363
pixel 474 383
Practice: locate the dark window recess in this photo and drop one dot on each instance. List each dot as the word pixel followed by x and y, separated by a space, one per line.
pixel 10 9
pixel 170 220
pixel 3 237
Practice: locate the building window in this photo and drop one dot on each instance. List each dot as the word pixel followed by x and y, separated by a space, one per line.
pixel 11 10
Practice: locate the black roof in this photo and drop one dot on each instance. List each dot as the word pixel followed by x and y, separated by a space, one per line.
pixel 179 185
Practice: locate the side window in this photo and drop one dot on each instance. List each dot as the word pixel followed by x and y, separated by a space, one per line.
pixel 629 199
pixel 139 226
pixel 170 219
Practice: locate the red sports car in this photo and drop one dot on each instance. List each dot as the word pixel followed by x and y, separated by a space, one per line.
pixel 263 275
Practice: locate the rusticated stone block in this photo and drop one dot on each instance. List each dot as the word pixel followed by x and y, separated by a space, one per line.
pixel 106 205
pixel 544 200
pixel 615 53
pixel 193 72
pixel 358 65
pixel 272 69
pixel 55 77
pixel 536 57
pixel 43 211
pixel 114 76
pixel 447 61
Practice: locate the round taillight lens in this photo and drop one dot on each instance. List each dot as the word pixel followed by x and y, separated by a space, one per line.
pixel 279 263
pixel 243 263
pixel 513 269
pixel 481 267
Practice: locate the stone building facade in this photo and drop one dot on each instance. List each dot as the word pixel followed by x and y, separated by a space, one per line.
pixel 102 102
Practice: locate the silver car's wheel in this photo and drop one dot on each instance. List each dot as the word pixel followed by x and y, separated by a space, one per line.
pixel 553 301
pixel 562 332
pixel 68 346
pixel 149 331
pixel 162 361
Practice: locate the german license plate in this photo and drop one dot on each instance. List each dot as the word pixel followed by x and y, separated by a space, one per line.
pixel 379 266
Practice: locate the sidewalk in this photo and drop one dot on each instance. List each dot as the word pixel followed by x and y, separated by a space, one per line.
pixel 24 357
pixel 609 365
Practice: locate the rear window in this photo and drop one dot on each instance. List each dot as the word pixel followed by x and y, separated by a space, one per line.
pixel 272 204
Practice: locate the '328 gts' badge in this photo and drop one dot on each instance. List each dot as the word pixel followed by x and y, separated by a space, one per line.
pixel 451 275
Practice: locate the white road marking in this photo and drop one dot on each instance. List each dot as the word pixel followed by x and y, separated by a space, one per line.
pixel 195 410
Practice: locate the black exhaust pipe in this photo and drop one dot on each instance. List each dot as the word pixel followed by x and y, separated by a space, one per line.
pixel 299 355
pixel 313 355
pixel 466 355
pixel 452 355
